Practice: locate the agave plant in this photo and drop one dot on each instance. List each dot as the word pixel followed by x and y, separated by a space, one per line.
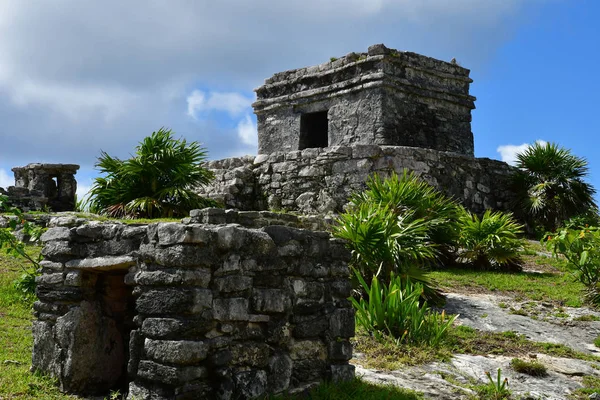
pixel 550 186
pixel 491 241
pixel 158 181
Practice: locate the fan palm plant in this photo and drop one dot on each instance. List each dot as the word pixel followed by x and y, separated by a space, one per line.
pixel 390 229
pixel 550 187
pixel 491 241
pixel 158 181
pixel 408 192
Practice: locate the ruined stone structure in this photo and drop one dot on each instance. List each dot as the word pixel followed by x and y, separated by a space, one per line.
pixel 38 186
pixel 323 130
pixel 383 97
pixel 239 303
pixel 194 310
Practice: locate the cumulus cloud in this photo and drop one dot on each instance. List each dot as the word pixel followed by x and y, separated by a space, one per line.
pixel 199 102
pixel 508 152
pixel 77 77
pixel 247 131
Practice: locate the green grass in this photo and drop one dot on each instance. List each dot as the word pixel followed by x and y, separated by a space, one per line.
pixel 532 368
pixel 386 355
pixel 558 288
pixel 356 389
pixel 16 382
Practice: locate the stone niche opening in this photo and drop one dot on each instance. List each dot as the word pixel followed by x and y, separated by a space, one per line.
pixel 105 329
pixel 314 130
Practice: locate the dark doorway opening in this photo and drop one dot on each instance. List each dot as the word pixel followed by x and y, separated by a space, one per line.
pixel 314 130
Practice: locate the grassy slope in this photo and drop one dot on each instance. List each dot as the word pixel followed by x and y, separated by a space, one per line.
pixel 16 341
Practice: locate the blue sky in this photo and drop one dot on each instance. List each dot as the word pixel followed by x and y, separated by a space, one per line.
pixel 80 77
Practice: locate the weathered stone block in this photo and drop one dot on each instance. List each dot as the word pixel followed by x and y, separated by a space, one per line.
pixel 180 352
pixel 234 309
pixel 169 375
pixel 342 323
pixel 270 300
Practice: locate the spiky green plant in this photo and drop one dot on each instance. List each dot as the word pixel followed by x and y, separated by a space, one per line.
pixel 395 309
pixel 550 186
pixel 409 193
pixel 158 181
pixel 491 241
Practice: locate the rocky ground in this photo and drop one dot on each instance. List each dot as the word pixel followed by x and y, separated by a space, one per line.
pixel 539 322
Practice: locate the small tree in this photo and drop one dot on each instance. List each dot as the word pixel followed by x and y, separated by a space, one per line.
pixel 158 181
pixel 550 186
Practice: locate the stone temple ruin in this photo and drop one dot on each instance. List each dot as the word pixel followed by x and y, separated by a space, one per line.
pixel 323 130
pixel 40 186
pixel 235 304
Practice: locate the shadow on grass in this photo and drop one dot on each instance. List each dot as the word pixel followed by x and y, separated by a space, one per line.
pixel 355 389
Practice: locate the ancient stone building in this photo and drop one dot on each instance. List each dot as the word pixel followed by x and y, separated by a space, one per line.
pixel 323 130
pixel 38 186
pixel 382 97
pixel 205 309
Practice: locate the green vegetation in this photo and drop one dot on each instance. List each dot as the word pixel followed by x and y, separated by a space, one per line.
pixel 16 339
pixel 550 186
pixel 395 310
pixel 551 287
pixel 356 389
pixel 496 389
pixel 581 248
pixel 532 368
pixel 591 384
pixel 13 246
pixel 490 242
pixel 158 181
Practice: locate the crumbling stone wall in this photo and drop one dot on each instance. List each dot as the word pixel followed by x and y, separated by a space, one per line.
pixel 192 310
pixel 383 97
pixel 320 180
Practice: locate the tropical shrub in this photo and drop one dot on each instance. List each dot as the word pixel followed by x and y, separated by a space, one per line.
pixel 13 246
pixel 550 187
pixel 581 248
pixel 158 181
pixel 396 310
pixel 491 241
pixel 410 194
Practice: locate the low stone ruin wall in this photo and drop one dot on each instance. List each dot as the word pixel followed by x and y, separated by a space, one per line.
pixel 320 180
pixel 191 311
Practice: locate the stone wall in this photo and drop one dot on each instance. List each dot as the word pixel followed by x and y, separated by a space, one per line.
pixel 192 310
pixel 320 180
pixel 383 97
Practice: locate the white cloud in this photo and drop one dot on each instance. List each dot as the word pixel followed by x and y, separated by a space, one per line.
pixel 77 77
pixel 247 131
pixel 508 152
pixel 232 103
pixel 6 179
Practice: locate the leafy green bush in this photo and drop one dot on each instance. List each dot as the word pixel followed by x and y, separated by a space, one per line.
pixel 399 225
pixel 550 187
pixel 409 195
pixel 581 248
pixel 490 241
pixel 16 248
pixel 395 310
pixel 157 182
